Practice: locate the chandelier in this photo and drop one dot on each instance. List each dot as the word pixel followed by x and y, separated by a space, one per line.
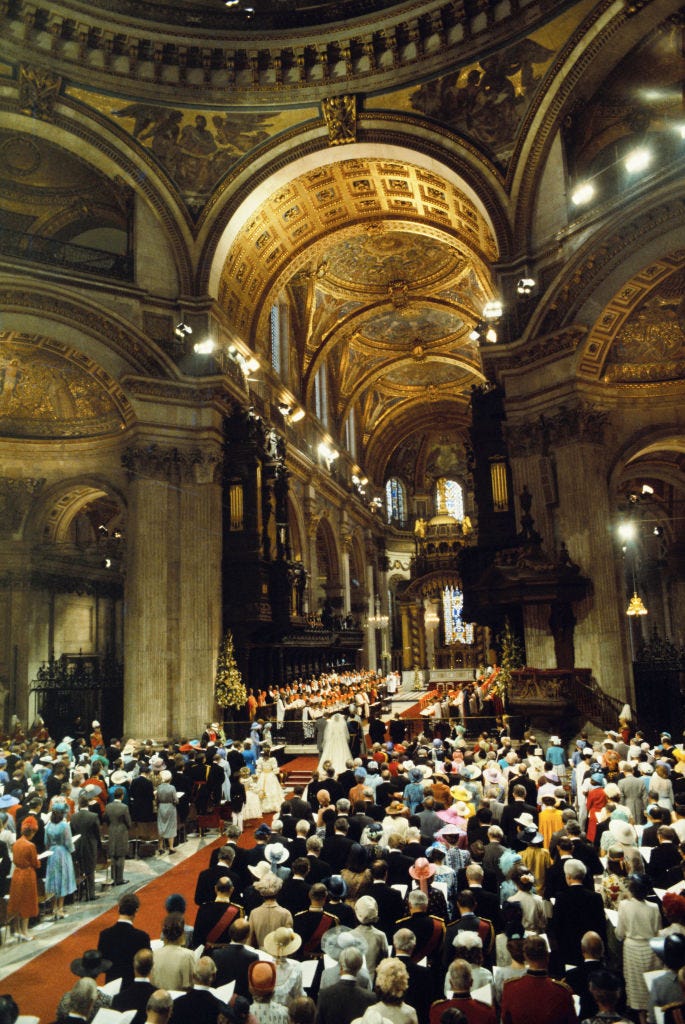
pixel 636 607
pixel 376 620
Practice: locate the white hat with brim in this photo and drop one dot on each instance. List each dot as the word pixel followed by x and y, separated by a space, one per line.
pixel 259 869
pixel 276 853
pixel 337 939
pixel 282 942
pixel 527 820
pixel 622 832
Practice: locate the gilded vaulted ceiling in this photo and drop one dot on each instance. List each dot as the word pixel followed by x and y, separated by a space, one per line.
pixel 386 268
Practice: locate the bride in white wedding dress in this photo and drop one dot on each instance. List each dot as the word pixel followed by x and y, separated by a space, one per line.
pixel 336 744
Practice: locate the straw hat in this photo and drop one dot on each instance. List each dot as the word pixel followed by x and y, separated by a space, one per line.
pixel 396 808
pixel 282 942
pixel 259 869
pixel 118 778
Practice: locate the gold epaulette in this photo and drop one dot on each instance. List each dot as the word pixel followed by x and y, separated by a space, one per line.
pixel 401 919
pixel 563 984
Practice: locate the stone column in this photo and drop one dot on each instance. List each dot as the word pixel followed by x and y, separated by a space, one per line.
pixel 579 513
pixel 173 591
pixel 312 518
pixel 346 546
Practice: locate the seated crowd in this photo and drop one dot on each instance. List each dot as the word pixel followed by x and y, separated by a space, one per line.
pixel 441 881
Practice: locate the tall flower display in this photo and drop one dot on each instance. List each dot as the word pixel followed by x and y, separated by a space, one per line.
pixel 229 689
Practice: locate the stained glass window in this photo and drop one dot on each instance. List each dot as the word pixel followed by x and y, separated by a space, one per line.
pixel 449 498
pixel 394 499
pixel 456 630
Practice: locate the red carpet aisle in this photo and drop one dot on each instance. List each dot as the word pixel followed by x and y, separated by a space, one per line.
pixel 38 986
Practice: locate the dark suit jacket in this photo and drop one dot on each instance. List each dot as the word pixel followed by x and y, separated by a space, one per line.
pixel 134 997
pixel 512 811
pixel 576 911
pixel 398 868
pixel 335 850
pixel 294 895
pixel 232 964
pixel 390 907
pixel 318 869
pixel 420 991
pixel 120 943
pixel 487 906
pixel 343 1002
pixel 197 1007
pixel 579 979
pixel 299 808
pixel 207 879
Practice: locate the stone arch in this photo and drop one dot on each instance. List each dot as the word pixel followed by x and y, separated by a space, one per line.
pixel 327 587
pixel 109 150
pixel 461 166
pixel 297 529
pixel 52 517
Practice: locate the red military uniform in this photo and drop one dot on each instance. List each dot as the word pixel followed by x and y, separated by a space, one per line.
pixel 537 999
pixel 474 1011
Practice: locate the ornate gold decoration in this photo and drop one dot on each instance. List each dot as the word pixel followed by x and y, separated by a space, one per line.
pixel 38 92
pixel 340 115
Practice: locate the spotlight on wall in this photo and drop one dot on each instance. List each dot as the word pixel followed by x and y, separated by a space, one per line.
pixel 638 160
pixel 476 333
pixel 297 415
pixel 204 348
pixel 658 531
pixel 491 335
pixel 252 364
pixel 106 563
pixel 493 309
pixel 647 489
pixel 626 531
pixel 181 329
pixel 284 408
pixel 582 194
pixel 328 454
pixel 525 285
pixel 102 530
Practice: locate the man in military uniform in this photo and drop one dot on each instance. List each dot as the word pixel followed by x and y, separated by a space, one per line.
pixel 461 979
pixel 311 925
pixel 536 998
pixel 214 920
pixel 429 932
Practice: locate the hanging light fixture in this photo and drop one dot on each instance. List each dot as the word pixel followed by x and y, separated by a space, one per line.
pixel 636 606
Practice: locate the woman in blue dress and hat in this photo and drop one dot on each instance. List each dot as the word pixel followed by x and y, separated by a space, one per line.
pixel 60 877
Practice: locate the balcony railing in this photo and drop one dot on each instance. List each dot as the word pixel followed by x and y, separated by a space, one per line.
pixel 27 246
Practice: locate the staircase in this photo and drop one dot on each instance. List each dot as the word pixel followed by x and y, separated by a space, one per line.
pixel 593 704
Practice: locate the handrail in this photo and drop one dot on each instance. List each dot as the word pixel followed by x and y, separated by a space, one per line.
pixel 26 245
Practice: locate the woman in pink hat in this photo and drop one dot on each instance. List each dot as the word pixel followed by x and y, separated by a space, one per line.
pixel 422 872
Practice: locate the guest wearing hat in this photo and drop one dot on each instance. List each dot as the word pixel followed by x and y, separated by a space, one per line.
pixel 270 915
pixel 281 944
pixel 23 899
pixel 173 964
pixel 336 941
pixel 422 873
pixel 665 988
pixel 555 754
pixel 336 905
pixel 60 877
pixel 91 965
pixel 638 922
pixel 532 905
pixel 261 979
pixel 596 800
pixel 366 910
pixel 276 854
pixel 167 814
pixel 534 856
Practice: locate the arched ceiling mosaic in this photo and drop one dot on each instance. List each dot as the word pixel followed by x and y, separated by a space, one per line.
pixel 385 268
pixel 640 335
pixel 50 391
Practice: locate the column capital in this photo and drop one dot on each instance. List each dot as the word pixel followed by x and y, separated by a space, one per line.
pixel 570 423
pixel 161 462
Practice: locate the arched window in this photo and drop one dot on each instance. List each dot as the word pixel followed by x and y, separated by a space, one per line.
pixel 456 630
pixel 279 339
pixel 395 500
pixel 351 434
pixel 449 498
pixel 321 395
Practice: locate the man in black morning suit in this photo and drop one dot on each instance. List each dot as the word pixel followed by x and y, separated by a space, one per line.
pixel 121 942
pixel 136 995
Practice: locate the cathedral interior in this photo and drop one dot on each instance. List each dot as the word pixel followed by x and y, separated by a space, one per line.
pixel 355 329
